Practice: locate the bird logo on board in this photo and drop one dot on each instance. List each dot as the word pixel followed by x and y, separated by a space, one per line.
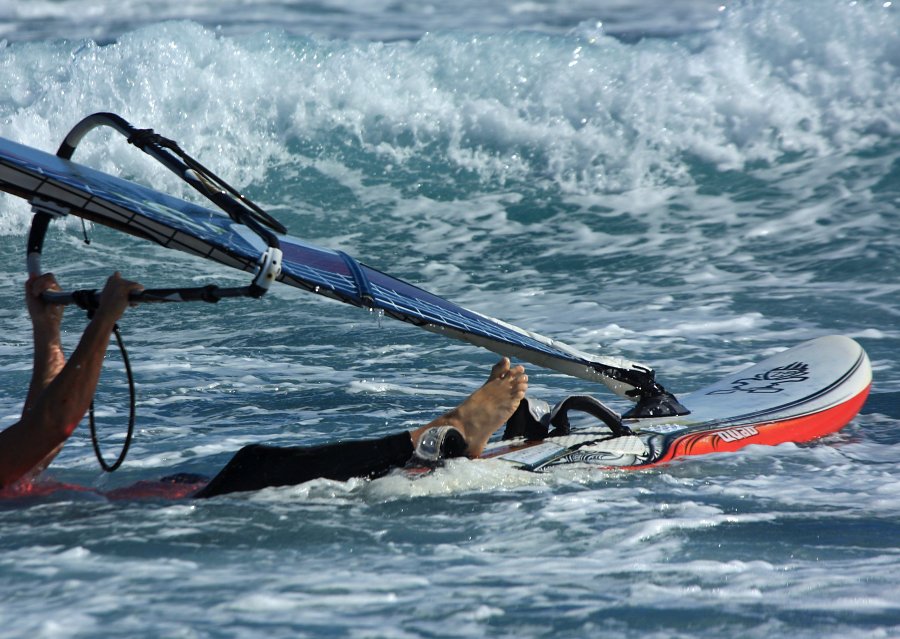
pixel 771 381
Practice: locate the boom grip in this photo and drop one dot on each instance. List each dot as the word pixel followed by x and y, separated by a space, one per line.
pixel 89 299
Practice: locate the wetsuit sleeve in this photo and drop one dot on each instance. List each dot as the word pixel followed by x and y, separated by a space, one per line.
pixel 260 466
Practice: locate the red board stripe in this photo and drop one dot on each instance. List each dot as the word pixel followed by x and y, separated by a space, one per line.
pixel 797 429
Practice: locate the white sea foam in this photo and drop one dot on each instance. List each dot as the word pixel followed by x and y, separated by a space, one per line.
pixel 504 107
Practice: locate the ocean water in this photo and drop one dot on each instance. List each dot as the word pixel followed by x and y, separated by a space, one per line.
pixel 693 185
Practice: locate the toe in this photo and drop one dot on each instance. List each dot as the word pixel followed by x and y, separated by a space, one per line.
pixel 500 369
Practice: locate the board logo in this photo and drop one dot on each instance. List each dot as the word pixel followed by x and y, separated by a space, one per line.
pixel 737 434
pixel 769 382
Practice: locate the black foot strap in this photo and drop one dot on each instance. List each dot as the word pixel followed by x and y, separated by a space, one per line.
pixel 534 418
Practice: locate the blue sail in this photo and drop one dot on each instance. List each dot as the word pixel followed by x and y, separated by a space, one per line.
pixel 68 187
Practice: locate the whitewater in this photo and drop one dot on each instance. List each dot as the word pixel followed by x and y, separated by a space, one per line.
pixel 691 185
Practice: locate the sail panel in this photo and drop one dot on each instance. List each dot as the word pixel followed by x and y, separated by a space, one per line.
pixel 175 223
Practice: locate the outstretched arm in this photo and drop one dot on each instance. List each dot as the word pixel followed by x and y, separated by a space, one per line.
pixel 45 321
pixel 60 392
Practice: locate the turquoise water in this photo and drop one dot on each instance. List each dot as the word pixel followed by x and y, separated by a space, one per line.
pixel 691 186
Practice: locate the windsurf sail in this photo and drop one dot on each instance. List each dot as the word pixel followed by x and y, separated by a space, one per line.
pixel 242 236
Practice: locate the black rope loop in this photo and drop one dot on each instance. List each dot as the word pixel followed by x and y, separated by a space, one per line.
pixel 131 412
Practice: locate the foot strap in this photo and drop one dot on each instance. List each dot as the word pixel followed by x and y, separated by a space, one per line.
pixel 534 418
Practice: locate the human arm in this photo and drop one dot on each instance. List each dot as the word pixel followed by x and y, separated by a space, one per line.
pixel 45 323
pixel 60 391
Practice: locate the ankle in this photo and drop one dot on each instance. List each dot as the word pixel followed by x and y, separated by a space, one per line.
pixel 440 442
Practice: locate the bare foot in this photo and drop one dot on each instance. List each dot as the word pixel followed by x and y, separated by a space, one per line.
pixel 487 409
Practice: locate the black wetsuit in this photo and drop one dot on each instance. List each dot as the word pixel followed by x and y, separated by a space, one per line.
pixel 260 466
